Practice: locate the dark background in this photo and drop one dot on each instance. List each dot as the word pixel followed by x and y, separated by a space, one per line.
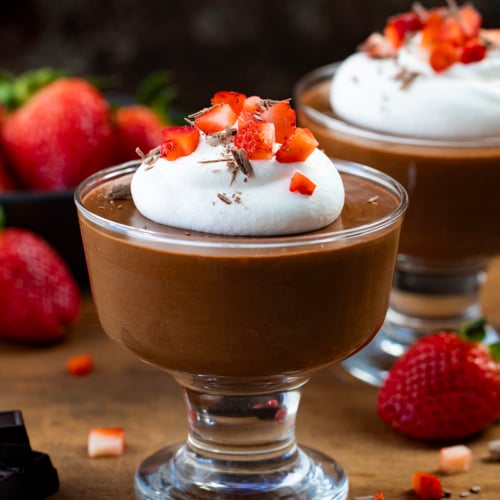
pixel 253 46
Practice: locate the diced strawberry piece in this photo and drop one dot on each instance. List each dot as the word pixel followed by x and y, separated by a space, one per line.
pixel 432 29
pixel 106 442
pixel 256 138
pixel 302 184
pixel 179 141
pixel 453 459
pixel 80 364
pixel 452 31
pixel 297 146
pixel 216 119
pixel 473 51
pixel 284 119
pixel 234 99
pixel 442 29
pixel 398 27
pixel 252 104
pixel 443 56
pixel 378 46
pixel 470 19
pixel 427 486
pixel 491 36
pixel 378 496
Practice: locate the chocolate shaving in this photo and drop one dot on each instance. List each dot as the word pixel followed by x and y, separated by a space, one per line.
pixel 225 137
pixel 119 192
pixel 224 198
pixel 420 10
pixel 150 158
pixel 242 161
pixel 406 77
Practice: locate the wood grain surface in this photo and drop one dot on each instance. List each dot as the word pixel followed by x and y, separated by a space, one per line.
pixel 337 416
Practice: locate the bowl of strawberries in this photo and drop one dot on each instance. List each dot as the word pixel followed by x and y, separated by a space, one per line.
pixel 56 130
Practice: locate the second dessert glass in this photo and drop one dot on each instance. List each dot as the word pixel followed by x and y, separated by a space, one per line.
pixel 241 323
pixel 451 230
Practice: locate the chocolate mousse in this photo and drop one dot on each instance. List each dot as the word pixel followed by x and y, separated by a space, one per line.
pixel 200 303
pixel 452 187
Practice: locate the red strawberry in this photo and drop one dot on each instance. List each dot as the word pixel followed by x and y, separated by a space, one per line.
pixel 427 486
pixel 284 119
pixel 297 147
pixel 234 99
pixel 179 141
pixel 80 365
pixel 443 55
pixel 136 127
pixel 253 104
pixel 302 184
pixel 473 50
pixel 216 118
pixel 62 134
pixel 445 387
pixel 7 182
pixel 39 298
pixel 399 26
pixel 256 138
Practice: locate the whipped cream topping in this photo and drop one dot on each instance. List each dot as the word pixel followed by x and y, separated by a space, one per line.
pixel 404 96
pixel 203 192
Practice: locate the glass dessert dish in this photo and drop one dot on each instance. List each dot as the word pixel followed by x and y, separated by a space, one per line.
pixel 241 323
pixel 450 232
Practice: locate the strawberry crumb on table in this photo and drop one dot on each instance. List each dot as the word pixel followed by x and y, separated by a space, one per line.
pixel 338 417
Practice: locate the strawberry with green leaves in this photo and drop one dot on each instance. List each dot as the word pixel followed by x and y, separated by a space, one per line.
pixel 59 133
pixel 39 299
pixel 445 387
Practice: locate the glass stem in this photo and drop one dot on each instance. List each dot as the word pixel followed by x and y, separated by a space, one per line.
pixel 242 427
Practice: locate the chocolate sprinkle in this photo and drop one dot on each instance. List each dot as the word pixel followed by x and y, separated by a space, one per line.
pixel 224 198
pixel 119 192
pixel 406 77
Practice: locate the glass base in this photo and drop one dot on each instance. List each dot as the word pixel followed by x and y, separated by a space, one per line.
pixel 178 473
pixel 426 297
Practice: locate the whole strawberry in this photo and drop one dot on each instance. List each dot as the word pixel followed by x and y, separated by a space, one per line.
pixel 39 298
pixel 445 387
pixel 60 135
pixel 137 126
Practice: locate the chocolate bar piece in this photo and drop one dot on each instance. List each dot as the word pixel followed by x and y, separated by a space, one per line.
pixel 24 474
pixel 15 446
pixel 35 481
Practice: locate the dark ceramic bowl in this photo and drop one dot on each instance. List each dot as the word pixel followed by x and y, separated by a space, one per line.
pixel 53 216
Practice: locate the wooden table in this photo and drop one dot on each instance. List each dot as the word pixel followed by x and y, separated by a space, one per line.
pixel 338 416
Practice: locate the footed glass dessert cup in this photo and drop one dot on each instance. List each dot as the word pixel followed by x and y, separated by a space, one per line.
pixel 450 232
pixel 241 323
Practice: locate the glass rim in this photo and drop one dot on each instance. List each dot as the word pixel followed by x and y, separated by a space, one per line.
pixel 324 73
pixel 197 239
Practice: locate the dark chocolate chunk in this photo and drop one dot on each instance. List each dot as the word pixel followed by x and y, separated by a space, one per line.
pixel 36 480
pixel 15 446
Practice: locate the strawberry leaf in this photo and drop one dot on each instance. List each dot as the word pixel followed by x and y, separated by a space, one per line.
pixel 495 351
pixel 158 92
pixel 474 331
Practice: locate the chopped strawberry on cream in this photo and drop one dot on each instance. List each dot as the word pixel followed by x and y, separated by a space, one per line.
pixel 242 168
pixel 432 73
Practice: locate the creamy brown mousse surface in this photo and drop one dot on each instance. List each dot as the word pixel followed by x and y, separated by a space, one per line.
pixel 454 209
pixel 241 311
